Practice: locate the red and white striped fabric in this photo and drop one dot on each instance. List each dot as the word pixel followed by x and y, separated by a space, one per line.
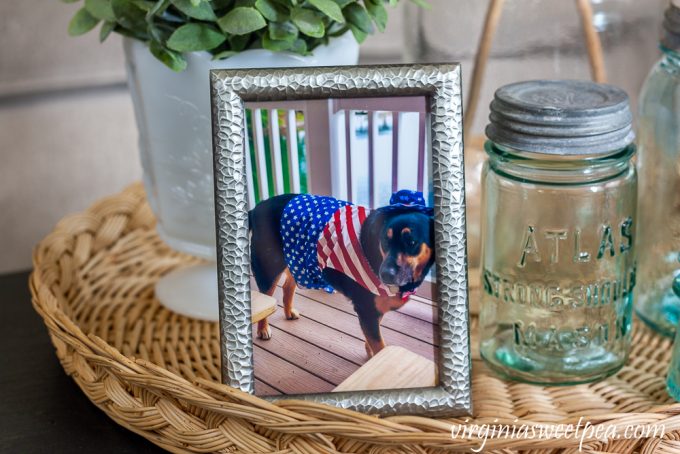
pixel 339 248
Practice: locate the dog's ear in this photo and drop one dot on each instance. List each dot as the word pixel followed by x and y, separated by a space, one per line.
pixel 373 224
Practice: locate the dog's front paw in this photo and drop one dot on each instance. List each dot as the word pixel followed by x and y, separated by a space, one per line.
pixel 264 333
pixel 293 315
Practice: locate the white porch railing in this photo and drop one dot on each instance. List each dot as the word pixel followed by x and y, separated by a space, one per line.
pixel 355 149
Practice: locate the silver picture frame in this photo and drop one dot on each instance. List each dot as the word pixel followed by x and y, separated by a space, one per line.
pixel 441 85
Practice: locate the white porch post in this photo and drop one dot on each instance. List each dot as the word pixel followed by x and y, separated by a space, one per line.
pixel 318 146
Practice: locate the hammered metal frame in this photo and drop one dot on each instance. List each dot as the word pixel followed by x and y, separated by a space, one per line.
pixel 441 85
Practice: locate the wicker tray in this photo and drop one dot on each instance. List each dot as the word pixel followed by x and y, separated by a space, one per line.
pixel 157 373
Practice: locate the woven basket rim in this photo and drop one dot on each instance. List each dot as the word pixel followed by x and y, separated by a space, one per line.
pixel 301 426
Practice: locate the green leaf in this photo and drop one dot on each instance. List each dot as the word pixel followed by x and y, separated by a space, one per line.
pixel 308 22
pixel 142 36
pixel 129 15
pixel 377 11
pixel 358 34
pixel 239 42
pixel 171 59
pixel 144 5
pixel 299 46
pixel 156 33
pixel 343 3
pixel 358 16
pixel 101 9
pixel 195 2
pixel 274 44
pixel 224 54
pixel 105 30
pixel 271 10
pixel 158 9
pixel 339 31
pixel 193 37
pixel 82 23
pixel 201 11
pixel 241 21
pixel 284 31
pixel 329 8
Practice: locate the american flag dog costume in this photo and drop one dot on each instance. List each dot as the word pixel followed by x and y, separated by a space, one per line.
pixel 323 232
pixel 375 258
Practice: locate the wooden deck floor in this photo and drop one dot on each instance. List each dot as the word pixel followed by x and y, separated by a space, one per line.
pixel 325 346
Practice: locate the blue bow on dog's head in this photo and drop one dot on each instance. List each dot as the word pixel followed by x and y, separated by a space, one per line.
pixel 407 197
pixel 407 200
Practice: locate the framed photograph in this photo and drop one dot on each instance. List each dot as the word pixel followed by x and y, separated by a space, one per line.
pixel 340 216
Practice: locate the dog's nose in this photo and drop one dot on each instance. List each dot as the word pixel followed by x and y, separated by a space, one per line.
pixel 388 274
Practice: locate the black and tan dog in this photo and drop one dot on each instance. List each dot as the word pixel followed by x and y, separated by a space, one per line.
pixel 396 242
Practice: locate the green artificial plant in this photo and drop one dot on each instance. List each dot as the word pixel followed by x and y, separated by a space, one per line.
pixel 225 27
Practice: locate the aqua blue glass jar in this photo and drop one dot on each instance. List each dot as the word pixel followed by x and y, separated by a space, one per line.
pixel 659 169
pixel 558 232
pixel 673 378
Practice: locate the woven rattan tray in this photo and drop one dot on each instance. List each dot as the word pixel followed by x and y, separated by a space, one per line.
pixel 158 373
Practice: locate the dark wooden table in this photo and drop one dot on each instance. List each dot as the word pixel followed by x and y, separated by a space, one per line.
pixel 41 409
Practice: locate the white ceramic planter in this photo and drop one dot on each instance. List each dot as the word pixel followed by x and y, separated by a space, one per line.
pixel 175 144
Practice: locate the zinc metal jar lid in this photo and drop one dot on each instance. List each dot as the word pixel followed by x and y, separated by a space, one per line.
pixel 561 117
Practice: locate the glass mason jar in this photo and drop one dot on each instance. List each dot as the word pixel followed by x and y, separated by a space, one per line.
pixel 659 168
pixel 532 39
pixel 559 197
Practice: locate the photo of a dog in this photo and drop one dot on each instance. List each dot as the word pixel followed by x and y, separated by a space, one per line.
pixel 377 268
pixel 342 250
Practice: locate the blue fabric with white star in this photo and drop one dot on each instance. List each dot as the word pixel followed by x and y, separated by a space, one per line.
pixel 303 220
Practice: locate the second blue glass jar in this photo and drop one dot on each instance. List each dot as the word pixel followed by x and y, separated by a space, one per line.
pixel 659 168
pixel 558 232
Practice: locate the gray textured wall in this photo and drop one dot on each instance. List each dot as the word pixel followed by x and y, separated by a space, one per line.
pixel 67 131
